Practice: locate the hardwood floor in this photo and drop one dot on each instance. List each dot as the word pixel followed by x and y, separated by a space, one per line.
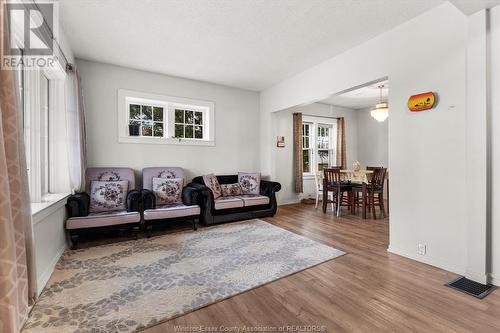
pixel 367 290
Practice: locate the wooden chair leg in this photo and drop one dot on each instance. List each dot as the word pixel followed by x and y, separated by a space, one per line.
pixel 381 205
pixel 325 199
pixel 340 196
pixel 374 215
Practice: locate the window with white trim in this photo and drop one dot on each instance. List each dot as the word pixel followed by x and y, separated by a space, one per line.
pixel 306 147
pixel 158 119
pixel 43 114
pixel 318 145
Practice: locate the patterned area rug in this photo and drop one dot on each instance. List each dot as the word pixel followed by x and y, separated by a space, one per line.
pixel 125 287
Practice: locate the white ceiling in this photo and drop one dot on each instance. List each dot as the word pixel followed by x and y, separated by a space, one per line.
pixel 250 44
pixel 360 98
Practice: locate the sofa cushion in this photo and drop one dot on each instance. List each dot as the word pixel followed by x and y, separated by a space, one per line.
pixel 213 184
pixel 249 182
pixel 168 191
pixel 171 211
pixel 108 196
pixel 229 202
pixel 230 190
pixel 103 219
pixel 254 200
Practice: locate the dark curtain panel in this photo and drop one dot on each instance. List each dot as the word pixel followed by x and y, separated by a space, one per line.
pixel 341 146
pixel 297 151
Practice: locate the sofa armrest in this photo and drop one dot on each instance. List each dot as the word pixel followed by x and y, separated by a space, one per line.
pixel 134 199
pixel 190 196
pixel 148 199
pixel 269 188
pixel 78 205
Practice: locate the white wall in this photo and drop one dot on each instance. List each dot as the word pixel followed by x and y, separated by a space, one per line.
pixel 426 148
pixel 495 132
pixel 283 126
pixel 373 140
pixel 236 123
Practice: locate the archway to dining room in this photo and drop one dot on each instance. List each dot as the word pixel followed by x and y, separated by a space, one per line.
pixel 348 130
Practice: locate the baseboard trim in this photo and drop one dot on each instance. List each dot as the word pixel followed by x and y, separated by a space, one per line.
pixel 494 280
pixel 45 276
pixel 288 202
pixel 427 260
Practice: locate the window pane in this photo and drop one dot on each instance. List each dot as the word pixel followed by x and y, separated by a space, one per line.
pixel 179 131
pixel 147 112
pixel 189 131
pixel 189 117
pixel 158 129
pixel 306 161
pixel 198 118
pixel 323 159
pixel 179 117
pixel 135 122
pixel 198 132
pixel 157 114
pixel 135 111
pixel 146 129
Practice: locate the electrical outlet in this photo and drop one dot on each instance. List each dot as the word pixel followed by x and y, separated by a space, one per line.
pixel 422 249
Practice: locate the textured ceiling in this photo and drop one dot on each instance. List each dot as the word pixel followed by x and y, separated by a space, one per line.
pixel 250 44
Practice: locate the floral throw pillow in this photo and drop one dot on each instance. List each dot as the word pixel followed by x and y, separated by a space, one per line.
pixel 230 190
pixel 108 196
pixel 249 182
pixel 212 183
pixel 168 191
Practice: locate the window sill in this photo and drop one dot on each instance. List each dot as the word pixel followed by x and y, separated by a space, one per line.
pixel 165 141
pixel 49 204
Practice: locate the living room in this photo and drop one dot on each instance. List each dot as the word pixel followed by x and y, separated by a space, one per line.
pixel 169 166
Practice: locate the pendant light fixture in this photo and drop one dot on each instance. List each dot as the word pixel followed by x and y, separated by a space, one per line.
pixel 381 110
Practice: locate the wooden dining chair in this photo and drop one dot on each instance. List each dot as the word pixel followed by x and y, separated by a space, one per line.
pixel 374 192
pixel 333 182
pixel 318 177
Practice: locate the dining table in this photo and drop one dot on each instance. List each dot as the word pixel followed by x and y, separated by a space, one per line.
pixel 362 177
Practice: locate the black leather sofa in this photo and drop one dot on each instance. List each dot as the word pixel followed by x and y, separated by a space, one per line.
pixel 218 211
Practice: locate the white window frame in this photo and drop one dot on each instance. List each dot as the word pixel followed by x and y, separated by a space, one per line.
pixel 315 123
pixel 32 128
pixel 310 148
pixel 127 97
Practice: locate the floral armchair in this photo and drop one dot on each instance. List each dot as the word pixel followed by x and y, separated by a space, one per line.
pixel 110 200
pixel 166 198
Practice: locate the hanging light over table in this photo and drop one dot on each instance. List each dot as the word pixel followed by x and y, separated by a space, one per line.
pixel 381 110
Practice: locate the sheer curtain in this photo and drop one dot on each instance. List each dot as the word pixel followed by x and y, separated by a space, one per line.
pixel 17 269
pixel 76 132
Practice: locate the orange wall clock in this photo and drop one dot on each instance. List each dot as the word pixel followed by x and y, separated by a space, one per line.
pixel 421 102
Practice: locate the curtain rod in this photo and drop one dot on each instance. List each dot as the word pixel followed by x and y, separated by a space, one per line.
pixel 312 115
pixel 68 66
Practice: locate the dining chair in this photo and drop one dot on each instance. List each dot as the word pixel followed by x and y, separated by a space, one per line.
pixel 333 182
pixel 374 191
pixel 318 178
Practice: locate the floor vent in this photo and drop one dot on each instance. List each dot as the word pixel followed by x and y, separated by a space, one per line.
pixel 470 287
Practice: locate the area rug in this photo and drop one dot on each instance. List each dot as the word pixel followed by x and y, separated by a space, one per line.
pixel 127 286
